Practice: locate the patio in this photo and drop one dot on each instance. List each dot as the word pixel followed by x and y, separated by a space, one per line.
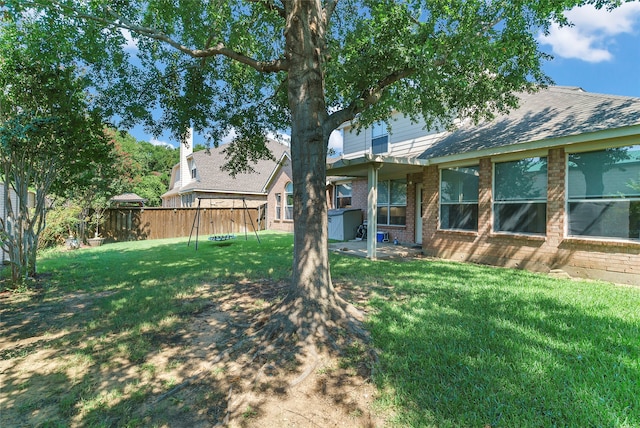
pixel 385 250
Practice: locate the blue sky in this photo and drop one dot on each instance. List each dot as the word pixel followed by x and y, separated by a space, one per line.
pixel 600 53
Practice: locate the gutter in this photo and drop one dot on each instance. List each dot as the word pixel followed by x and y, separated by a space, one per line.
pixel 570 140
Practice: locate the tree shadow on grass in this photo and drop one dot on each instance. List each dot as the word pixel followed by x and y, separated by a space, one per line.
pixel 112 332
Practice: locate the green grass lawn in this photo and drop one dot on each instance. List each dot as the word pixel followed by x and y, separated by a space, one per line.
pixel 466 345
pixel 458 344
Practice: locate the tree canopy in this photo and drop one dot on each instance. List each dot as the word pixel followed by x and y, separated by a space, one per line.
pixel 49 138
pixel 254 66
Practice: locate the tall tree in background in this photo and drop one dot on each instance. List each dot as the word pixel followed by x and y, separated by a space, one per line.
pixel 305 65
pixel 48 136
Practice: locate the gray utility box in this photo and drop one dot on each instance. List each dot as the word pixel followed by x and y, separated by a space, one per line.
pixel 343 223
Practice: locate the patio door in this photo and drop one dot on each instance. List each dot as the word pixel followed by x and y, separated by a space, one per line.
pixel 418 214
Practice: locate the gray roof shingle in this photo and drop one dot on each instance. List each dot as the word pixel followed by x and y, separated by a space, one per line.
pixel 210 176
pixel 551 113
pixel 128 197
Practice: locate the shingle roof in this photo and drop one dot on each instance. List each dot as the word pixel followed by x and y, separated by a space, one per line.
pixel 212 178
pixel 128 197
pixel 550 113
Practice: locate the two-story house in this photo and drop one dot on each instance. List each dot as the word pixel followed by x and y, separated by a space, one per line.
pixel 199 175
pixel 554 184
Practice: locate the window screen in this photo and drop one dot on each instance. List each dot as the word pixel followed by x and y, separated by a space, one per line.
pixel 459 198
pixel 604 193
pixel 520 196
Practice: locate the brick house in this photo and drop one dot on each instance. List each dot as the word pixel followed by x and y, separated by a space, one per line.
pixel 269 187
pixel 554 184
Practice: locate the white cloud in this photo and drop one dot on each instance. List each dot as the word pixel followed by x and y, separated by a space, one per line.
pixel 229 137
pixel 130 44
pixel 593 32
pixel 335 141
pixel 157 142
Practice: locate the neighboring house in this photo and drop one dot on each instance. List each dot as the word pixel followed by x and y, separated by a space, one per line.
pixel 127 200
pixel 199 176
pixel 4 212
pixel 555 184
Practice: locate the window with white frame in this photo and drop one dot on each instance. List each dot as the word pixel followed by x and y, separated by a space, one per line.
pixel 392 202
pixel 459 198
pixel 187 200
pixel 194 172
pixel 288 209
pixel 603 193
pixel 379 138
pixel 520 196
pixel 343 195
pixel 278 206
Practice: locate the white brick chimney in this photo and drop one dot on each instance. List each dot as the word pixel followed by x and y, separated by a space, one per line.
pixel 186 149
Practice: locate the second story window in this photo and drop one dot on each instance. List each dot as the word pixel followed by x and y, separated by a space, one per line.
pixel 379 138
pixel 193 169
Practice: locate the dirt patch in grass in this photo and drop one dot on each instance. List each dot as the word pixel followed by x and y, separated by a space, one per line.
pixel 59 368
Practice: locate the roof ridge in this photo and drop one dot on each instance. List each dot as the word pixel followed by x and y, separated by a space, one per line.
pixel 576 90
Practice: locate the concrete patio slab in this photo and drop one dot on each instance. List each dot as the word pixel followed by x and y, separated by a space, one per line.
pixel 385 250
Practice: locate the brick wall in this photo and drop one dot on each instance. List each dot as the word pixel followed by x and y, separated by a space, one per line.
pixel 282 178
pixel 616 261
pixel 359 192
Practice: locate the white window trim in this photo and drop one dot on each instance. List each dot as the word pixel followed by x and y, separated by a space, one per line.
pixel 494 202
pixel 441 203
pixel 587 148
pixel 389 205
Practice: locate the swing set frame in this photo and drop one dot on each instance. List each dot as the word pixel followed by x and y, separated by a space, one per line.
pixel 224 237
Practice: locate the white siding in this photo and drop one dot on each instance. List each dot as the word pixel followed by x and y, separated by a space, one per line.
pixel 406 139
pixel 354 144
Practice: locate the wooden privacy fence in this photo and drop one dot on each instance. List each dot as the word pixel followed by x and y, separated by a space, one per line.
pixel 131 224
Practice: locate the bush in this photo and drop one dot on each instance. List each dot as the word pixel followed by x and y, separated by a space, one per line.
pixel 62 221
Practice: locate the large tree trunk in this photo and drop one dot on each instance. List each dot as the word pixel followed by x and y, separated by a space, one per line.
pixel 312 296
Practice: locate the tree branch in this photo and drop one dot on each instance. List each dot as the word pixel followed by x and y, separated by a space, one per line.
pixel 219 49
pixel 329 9
pixel 269 4
pixel 119 21
pixel 367 98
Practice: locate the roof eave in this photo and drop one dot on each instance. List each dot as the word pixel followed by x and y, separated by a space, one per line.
pixel 566 141
pixel 273 174
pixel 357 167
pixel 234 192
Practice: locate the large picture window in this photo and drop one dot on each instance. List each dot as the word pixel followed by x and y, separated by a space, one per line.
pixel 520 196
pixel 379 138
pixel 604 193
pixel 459 198
pixel 288 209
pixel 343 195
pixel 392 202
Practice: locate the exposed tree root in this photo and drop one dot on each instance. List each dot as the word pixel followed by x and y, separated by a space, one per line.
pixel 292 331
